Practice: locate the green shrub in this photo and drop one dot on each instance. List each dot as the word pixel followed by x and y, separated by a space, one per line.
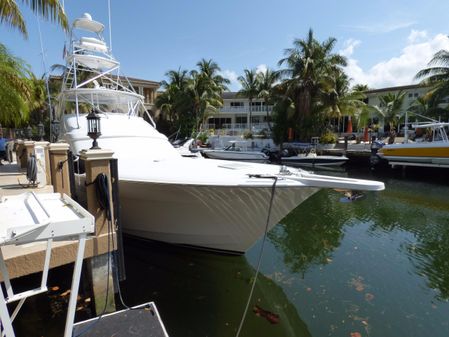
pixel 247 135
pixel 202 136
pixel 328 138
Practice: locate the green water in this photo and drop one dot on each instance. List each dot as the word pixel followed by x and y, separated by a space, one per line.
pixel 375 267
pixel 378 267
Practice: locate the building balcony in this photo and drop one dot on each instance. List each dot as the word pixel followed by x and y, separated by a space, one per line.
pixel 245 109
pixel 235 129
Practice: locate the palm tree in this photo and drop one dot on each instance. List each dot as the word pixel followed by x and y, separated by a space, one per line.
pixel 391 108
pixel 211 71
pixel 11 15
pixel 307 63
pixel 206 87
pixel 360 87
pixel 338 100
pixel 175 102
pixel 267 80
pixel 437 74
pixel 15 88
pixel 250 90
pixel 190 97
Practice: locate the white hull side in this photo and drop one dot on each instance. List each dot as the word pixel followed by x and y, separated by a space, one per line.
pixel 224 218
pixel 311 162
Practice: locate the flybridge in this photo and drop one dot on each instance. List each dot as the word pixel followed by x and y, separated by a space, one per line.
pixel 92 75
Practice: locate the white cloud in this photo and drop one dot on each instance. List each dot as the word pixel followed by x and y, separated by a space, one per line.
pixel 348 47
pixel 261 68
pixel 381 27
pixel 417 35
pixel 399 70
pixel 232 76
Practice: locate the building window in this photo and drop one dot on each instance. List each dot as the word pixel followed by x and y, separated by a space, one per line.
pixel 416 94
pixel 410 95
pixel 219 123
pixel 148 94
pixel 256 103
pixel 237 104
pixel 240 120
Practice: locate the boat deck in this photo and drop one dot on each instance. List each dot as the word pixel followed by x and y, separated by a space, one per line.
pixel 28 259
pixel 139 321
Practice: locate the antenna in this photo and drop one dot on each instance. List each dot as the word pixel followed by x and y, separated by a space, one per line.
pixel 45 74
pixel 110 26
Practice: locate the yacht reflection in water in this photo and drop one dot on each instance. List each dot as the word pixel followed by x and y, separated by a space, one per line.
pixel 203 294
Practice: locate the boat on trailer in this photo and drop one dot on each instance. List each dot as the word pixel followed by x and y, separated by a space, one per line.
pixel 210 204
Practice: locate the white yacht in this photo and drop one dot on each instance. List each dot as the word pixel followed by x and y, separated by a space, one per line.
pixel 212 204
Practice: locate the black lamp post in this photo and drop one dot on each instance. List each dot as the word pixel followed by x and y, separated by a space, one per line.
pixel 29 132
pixel 40 131
pixel 93 128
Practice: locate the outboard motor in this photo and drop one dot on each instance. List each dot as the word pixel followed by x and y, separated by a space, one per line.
pixel 374 158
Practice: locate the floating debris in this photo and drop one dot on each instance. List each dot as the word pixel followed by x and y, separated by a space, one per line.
pixel 268 315
pixel 357 283
pixel 369 297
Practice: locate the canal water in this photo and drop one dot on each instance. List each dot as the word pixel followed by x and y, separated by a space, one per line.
pixel 377 266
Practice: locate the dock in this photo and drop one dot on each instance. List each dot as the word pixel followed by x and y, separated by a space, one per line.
pixel 55 179
pixel 357 153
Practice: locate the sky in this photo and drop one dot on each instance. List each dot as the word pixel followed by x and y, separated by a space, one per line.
pixel 386 42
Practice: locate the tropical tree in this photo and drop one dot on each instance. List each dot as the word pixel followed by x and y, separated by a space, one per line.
pixel 250 90
pixel 189 97
pixel 11 15
pixel 427 105
pixel 437 74
pixel 437 77
pixel 16 89
pixel 175 103
pixel 308 61
pixel 336 99
pixel 267 80
pixel 206 87
pixel 360 87
pixel 391 108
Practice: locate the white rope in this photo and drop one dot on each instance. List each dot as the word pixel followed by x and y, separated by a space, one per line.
pixel 259 261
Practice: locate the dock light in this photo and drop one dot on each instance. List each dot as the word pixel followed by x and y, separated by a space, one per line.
pixel 41 131
pixel 29 132
pixel 93 128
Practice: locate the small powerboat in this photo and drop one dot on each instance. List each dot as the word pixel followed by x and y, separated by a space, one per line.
pixel 237 150
pixel 311 159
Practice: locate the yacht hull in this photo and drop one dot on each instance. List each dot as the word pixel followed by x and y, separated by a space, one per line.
pixel 314 161
pixel 220 218
pixel 423 154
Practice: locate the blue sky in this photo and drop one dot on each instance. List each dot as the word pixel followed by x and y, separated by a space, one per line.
pixel 386 42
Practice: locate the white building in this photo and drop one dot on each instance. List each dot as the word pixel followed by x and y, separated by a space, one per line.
pixel 233 117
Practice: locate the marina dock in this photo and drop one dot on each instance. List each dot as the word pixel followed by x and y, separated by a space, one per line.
pixel 24 257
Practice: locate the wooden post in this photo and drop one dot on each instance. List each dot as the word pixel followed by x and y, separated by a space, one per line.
pixel 100 267
pixel 29 148
pixel 59 168
pixel 46 146
pixel 20 154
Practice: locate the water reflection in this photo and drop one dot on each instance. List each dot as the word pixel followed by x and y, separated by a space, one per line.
pixel 378 266
pixel 201 294
pixel 309 235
